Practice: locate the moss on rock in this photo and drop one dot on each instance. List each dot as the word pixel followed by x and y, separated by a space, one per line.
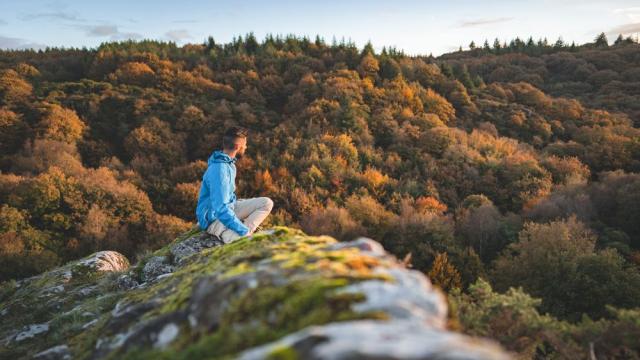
pixel 216 303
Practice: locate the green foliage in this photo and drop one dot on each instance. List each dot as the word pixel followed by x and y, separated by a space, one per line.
pixel 512 318
pixel 559 263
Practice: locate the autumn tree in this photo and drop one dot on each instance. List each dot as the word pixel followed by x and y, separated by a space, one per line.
pixel 444 274
pixel 13 87
pixel 60 124
pixel 558 262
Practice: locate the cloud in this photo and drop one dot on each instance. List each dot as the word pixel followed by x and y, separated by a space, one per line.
pixel 185 21
pixel 18 44
pixel 3 22
pixel 126 36
pixel 101 30
pixel 627 10
pixel 633 13
pixel 109 30
pixel 56 15
pixel 480 22
pixel 625 29
pixel 178 35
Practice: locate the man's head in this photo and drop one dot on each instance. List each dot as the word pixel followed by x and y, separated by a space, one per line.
pixel 235 139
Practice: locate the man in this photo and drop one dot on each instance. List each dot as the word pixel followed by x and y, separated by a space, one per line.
pixel 218 211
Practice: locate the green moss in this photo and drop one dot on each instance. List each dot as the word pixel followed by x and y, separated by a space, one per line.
pixel 283 353
pixel 241 268
pixel 267 313
pixel 221 259
pixel 7 289
pixel 253 317
pixel 84 343
pixel 193 231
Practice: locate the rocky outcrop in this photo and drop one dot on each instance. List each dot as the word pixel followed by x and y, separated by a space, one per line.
pixel 276 294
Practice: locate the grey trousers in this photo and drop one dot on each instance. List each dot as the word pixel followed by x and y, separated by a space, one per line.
pixel 251 212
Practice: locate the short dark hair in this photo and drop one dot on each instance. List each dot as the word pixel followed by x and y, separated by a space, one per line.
pixel 231 134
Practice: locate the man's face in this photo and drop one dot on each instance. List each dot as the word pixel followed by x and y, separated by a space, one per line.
pixel 241 145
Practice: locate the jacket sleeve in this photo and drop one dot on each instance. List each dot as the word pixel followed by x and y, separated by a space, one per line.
pixel 220 189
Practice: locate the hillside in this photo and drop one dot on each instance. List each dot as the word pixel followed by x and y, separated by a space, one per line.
pixel 508 174
pixel 195 299
pixel 600 74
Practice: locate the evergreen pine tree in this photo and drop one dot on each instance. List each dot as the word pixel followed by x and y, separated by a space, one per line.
pixel 601 40
pixel 251 44
pixel 368 49
pixel 496 45
pixel 446 70
pixel 619 40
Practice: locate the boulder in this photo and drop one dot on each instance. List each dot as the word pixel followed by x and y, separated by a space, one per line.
pixel 275 294
pixel 102 261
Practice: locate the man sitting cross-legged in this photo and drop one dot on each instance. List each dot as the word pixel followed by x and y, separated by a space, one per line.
pixel 218 210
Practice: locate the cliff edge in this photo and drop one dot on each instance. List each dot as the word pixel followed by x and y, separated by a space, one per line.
pixel 278 294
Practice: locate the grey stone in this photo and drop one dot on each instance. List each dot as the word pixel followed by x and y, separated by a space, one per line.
pixel 126 282
pixel 168 333
pixel 90 324
pixel 156 266
pixel 194 245
pixel 31 331
pixel 364 244
pixel 221 291
pixel 157 332
pixel 60 352
pixel 53 290
pixel 377 339
pixel 409 296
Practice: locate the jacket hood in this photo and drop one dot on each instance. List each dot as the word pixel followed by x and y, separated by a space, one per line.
pixel 220 156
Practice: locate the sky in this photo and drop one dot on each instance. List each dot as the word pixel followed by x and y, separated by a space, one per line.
pixel 417 27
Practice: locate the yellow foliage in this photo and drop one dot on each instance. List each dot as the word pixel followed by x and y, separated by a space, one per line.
pixel 435 103
pixel 137 73
pixel 13 87
pixel 429 204
pixel 444 274
pixel 60 124
pixel 374 178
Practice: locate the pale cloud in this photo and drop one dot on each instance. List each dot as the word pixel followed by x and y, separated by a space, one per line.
pixel 178 35
pixel 7 42
pixel 102 30
pixel 55 15
pixel 632 13
pixel 111 31
pixel 625 29
pixel 186 21
pixel 485 21
pixel 126 36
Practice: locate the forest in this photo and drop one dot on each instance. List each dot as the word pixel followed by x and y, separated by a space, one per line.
pixel 508 173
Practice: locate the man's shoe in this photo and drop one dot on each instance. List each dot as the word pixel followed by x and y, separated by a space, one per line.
pixel 217 239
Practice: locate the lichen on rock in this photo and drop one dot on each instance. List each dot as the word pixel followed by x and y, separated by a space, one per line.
pixel 276 292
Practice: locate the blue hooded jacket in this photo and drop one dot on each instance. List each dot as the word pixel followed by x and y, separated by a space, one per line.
pixel 217 194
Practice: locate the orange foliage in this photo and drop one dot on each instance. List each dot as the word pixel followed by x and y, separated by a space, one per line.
pixel 429 204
